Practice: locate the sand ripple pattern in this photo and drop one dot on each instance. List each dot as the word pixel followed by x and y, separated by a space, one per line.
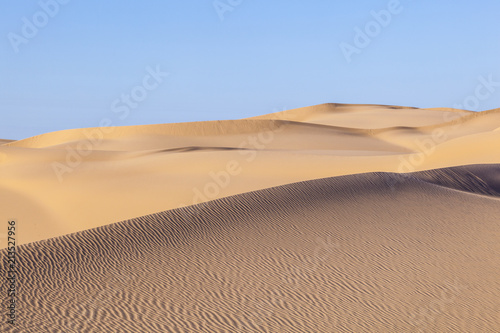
pixel 363 253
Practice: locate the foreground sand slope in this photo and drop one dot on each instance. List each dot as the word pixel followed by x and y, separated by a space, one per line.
pixel 360 253
pixel 67 181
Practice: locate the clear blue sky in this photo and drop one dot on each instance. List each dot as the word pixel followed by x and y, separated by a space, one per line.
pixel 262 57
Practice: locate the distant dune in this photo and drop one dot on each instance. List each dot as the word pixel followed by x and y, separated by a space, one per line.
pixel 331 218
pixel 78 179
pixel 4 141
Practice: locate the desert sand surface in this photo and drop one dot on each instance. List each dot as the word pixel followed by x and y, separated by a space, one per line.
pixel 331 218
pixel 84 178
pixel 374 252
pixel 4 141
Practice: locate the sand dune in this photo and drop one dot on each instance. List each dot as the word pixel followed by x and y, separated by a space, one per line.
pixel 360 253
pixel 330 218
pixel 368 116
pixel 4 141
pixel 83 178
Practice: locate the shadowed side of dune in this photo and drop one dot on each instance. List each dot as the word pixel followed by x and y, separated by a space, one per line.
pixel 4 141
pixel 344 254
pixel 481 179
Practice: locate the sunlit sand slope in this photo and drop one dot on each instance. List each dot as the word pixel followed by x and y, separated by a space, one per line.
pixel 67 181
pixel 360 253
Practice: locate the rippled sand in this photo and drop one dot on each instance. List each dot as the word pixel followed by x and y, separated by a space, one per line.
pixel 319 226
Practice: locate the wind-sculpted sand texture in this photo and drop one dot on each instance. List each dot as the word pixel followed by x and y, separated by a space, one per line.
pixel 68 181
pixel 374 252
pixel 480 179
